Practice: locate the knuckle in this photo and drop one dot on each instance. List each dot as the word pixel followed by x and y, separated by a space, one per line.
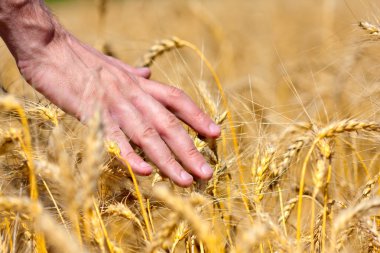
pixel 134 98
pixel 192 152
pixel 199 115
pixel 175 92
pixel 170 160
pixel 170 124
pixel 149 132
pixel 172 121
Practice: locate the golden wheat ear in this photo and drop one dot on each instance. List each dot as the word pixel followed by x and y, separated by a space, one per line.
pixel 160 48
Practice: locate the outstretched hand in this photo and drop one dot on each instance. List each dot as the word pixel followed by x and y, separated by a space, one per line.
pixel 77 78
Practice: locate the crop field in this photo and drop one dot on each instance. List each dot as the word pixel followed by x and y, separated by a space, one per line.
pixel 293 84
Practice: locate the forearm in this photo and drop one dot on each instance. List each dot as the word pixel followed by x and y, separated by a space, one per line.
pixel 26 26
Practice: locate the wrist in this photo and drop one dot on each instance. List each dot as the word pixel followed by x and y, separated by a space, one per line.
pixel 27 27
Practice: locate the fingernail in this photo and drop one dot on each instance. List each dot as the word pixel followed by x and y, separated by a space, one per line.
pixel 206 170
pixel 145 168
pixel 145 165
pixel 186 176
pixel 214 128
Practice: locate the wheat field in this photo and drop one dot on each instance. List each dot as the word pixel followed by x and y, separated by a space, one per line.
pixel 294 85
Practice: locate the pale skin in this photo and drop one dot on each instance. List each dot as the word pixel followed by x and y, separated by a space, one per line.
pixel 79 79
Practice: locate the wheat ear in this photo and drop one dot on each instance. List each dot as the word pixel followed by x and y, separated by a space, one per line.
pixel 351 213
pixel 43 222
pixel 186 211
pixel 159 48
pixel 348 125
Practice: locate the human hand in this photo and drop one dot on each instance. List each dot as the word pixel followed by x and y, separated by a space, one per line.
pixel 77 78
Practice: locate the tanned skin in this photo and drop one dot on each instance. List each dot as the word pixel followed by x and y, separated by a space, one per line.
pixel 78 79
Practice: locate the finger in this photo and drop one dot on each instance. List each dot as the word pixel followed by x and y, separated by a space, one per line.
pixel 114 133
pixel 175 136
pixel 145 136
pixel 182 106
pixel 141 72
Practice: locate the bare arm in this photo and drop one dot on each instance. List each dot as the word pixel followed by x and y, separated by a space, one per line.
pixel 76 77
pixel 26 26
